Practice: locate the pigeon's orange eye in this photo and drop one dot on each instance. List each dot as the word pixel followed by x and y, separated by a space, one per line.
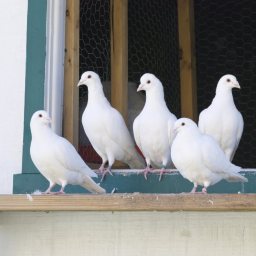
pixel 228 80
pixel 40 115
pixel 148 82
pixel 89 76
pixel 183 124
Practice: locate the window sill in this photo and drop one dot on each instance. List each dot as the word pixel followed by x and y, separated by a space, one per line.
pixel 129 202
pixel 128 181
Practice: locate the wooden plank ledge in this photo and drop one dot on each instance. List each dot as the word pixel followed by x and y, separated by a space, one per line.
pixel 129 202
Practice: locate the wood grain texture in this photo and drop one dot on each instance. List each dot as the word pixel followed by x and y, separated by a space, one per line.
pixel 119 56
pixel 187 59
pixel 71 73
pixel 129 202
pixel 119 59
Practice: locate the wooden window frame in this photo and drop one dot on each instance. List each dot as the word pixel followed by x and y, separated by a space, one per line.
pixel 119 63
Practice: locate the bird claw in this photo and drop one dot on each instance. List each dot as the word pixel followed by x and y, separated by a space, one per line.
pixel 146 171
pixel 57 193
pixel 184 193
pixel 52 193
pixel 46 193
pixel 104 172
pixel 163 170
pixel 100 170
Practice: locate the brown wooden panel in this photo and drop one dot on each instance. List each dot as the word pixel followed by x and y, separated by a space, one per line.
pixel 71 73
pixel 129 202
pixel 187 59
pixel 119 60
pixel 119 56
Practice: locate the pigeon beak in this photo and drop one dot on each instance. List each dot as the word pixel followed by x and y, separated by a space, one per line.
pixel 80 83
pixel 48 120
pixel 175 130
pixel 140 87
pixel 237 86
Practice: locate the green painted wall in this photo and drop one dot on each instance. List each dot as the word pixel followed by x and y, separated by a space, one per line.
pixel 35 73
pixel 130 183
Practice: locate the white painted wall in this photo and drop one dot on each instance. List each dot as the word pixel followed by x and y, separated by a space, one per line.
pixel 13 27
pixel 128 233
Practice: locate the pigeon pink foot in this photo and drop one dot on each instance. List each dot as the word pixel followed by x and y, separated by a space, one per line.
pixel 163 170
pixel 59 192
pixel 48 191
pixel 193 191
pixel 104 171
pixel 146 171
pixel 101 169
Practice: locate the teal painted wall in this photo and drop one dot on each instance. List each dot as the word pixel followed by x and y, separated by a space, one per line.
pixel 130 183
pixel 35 73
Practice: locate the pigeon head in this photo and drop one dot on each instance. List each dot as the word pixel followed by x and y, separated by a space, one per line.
pixel 90 79
pixel 227 82
pixel 149 82
pixel 183 124
pixel 40 117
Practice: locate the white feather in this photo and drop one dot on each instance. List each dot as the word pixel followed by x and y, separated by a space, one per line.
pixel 57 159
pixel 199 158
pixel 105 127
pixel 222 120
pixel 30 198
pixel 153 127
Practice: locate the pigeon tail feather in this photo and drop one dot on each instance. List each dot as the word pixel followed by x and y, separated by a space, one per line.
pixel 234 174
pixel 90 185
pixel 87 171
pixel 136 163
pixel 234 177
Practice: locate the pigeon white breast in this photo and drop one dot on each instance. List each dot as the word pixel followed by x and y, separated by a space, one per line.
pixel 221 119
pixel 136 103
pixel 106 129
pixel 57 159
pixel 153 127
pixel 199 158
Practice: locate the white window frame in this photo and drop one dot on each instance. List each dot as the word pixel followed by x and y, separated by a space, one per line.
pixel 54 64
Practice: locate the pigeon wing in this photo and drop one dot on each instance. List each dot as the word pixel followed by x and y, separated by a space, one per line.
pixel 170 134
pixel 217 162
pixel 214 158
pixel 118 132
pixel 136 132
pixel 70 159
pixel 239 135
pixel 201 122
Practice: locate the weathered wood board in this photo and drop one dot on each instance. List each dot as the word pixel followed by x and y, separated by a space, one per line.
pixel 129 202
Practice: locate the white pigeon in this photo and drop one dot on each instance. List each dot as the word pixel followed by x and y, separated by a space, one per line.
pixel 221 119
pixel 199 158
pixel 153 126
pixel 106 129
pixel 57 159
